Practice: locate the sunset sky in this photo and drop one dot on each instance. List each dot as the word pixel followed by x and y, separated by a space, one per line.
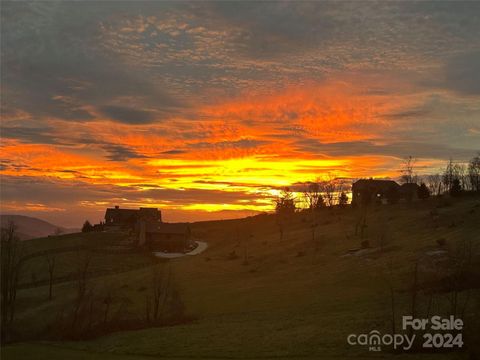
pixel 206 109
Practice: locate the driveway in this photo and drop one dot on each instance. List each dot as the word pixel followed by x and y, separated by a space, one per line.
pixel 201 247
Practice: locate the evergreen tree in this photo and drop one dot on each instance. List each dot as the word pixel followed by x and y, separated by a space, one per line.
pixel 343 199
pixel 423 192
pixel 87 227
pixel 456 188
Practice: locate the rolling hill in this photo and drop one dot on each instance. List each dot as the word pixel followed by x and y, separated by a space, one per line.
pixel 253 294
pixel 31 228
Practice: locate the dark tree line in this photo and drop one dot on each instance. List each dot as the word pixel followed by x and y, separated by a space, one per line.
pixel 456 178
pixel 88 227
pixel 460 177
pixel 11 265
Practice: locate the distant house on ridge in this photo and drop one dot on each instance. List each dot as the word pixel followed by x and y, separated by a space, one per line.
pixel 365 191
pixel 149 230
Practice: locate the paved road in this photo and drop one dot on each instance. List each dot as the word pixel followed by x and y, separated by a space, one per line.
pixel 202 246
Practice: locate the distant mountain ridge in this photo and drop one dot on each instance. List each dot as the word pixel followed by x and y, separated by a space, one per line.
pixel 31 228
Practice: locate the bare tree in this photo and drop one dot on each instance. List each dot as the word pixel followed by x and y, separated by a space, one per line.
pixel 51 268
pixel 362 217
pixel 408 170
pixel 285 203
pixel 82 272
pixel 391 289
pixel 453 174
pixel 330 190
pixel 463 176
pixel 434 183
pixel 11 264
pixel 161 276
pixel 312 195
pixel 107 302
pixel 474 173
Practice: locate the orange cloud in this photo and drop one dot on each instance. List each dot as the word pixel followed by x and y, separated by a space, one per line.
pixel 252 144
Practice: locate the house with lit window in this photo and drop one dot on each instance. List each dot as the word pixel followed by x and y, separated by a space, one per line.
pixel 148 229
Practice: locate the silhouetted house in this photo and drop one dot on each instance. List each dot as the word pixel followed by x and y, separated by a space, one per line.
pixel 146 225
pixel 99 227
pixel 367 191
pixel 164 236
pixel 126 219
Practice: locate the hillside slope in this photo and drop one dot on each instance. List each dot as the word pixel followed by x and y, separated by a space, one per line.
pixel 31 228
pixel 254 294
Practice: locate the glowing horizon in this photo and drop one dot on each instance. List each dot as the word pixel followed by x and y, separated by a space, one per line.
pixel 205 110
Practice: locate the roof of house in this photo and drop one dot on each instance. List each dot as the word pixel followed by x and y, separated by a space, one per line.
pixel 120 215
pixel 375 183
pixel 148 211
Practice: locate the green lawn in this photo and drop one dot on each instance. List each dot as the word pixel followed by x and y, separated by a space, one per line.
pixel 287 301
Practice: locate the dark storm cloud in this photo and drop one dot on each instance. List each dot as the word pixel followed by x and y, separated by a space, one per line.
pixel 41 190
pixel 56 192
pixel 128 115
pixel 120 152
pixel 174 152
pixel 398 149
pixel 46 135
pixel 34 135
pixel 238 144
pixel 6 164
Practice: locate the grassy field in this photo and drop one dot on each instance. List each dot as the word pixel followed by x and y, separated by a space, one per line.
pixel 253 295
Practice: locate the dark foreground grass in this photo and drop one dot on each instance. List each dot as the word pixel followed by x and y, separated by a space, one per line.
pixel 274 298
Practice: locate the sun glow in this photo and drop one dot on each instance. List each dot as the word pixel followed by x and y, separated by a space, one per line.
pixel 236 159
